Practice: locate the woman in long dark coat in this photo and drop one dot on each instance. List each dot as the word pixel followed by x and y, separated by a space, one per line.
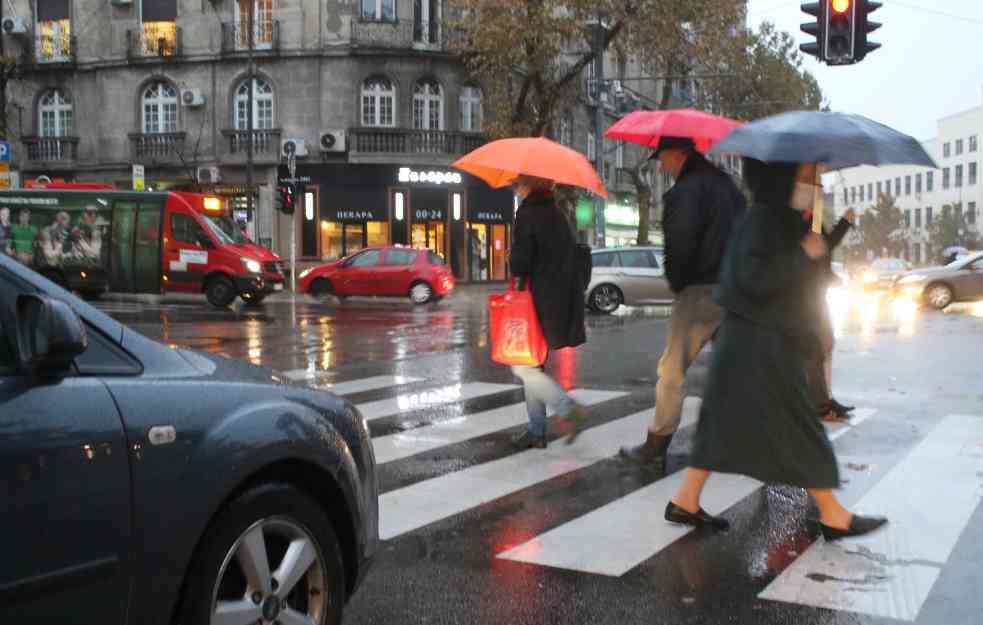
pixel 544 256
pixel 757 418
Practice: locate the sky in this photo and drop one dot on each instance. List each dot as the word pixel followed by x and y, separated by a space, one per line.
pixel 930 65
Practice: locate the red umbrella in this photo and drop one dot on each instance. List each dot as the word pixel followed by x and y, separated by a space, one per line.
pixel 648 127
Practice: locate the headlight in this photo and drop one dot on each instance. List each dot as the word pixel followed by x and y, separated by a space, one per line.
pixel 252 265
pixel 912 279
pixel 306 272
pixel 870 276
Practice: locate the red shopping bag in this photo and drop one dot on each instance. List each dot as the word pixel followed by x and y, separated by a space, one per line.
pixel 516 334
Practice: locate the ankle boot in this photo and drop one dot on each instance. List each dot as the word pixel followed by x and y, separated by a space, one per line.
pixel 651 453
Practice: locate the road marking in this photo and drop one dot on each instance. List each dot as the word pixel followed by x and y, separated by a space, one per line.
pixel 352 386
pixel 429 501
pixel 836 430
pixel 616 538
pixel 929 498
pixel 460 429
pixel 430 398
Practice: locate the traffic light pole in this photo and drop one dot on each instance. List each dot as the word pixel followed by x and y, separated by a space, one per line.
pixel 599 204
pixel 250 206
pixel 292 167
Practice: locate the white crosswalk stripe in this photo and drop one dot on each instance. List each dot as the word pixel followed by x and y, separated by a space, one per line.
pixel 405 444
pixel 897 567
pixel 430 398
pixel 351 387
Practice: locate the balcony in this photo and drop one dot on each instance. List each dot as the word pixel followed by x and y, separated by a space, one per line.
pixel 399 34
pixel 235 38
pixel 156 40
pixel 51 152
pixel 266 145
pixel 52 51
pixel 422 146
pixel 161 148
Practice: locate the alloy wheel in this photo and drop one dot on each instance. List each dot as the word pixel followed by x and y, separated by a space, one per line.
pixel 250 590
pixel 606 298
pixel 940 296
pixel 420 293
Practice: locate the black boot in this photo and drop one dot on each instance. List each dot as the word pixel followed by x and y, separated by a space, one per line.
pixel 651 453
pixel 528 440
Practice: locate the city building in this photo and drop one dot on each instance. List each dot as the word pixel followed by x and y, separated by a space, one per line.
pixel 924 194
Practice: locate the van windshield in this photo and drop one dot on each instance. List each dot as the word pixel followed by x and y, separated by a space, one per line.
pixel 231 228
pixel 219 234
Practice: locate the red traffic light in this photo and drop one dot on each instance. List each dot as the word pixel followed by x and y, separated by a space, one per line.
pixel 841 6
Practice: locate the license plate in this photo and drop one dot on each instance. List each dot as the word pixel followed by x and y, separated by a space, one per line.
pixel 277 287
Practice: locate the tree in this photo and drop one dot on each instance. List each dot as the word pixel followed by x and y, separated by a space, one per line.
pixel 10 69
pixel 880 231
pixel 950 229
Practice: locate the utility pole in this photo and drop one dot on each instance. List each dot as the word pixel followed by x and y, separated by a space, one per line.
pixel 251 73
pixel 599 204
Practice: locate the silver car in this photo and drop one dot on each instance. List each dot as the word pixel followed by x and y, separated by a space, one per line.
pixel 959 281
pixel 633 276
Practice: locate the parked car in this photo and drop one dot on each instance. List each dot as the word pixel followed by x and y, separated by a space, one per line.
pixel 882 274
pixel 631 276
pixel 421 275
pixel 961 280
pixel 144 484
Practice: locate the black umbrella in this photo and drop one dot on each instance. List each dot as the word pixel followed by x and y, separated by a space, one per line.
pixel 837 140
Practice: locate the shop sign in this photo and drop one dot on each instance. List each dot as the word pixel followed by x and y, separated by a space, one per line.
pixel 491 215
pixel 432 177
pixel 347 215
pixel 429 214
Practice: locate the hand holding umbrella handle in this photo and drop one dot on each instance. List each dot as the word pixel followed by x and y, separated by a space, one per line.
pixel 814 246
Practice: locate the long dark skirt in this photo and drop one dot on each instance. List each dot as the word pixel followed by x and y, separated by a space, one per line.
pixel 757 418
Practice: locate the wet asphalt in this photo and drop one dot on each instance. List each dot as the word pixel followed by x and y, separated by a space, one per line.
pixel 912 370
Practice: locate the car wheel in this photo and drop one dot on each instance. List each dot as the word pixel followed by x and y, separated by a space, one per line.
pixel 606 298
pixel 321 288
pixel 421 293
pixel 271 555
pixel 220 292
pixel 939 295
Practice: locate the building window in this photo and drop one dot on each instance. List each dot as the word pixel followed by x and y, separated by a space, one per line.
pixel 958 210
pixel 870 192
pixel 159 18
pixel 918 183
pixel 428 106
pixel 426 21
pixel 907 219
pixel 972 143
pixel 946 150
pixel 160 108
pixel 471 113
pixel 378 102
pixel 262 105
pixel 897 187
pixel 565 132
pixel 262 14
pixel 945 178
pixel 972 173
pixel 55 114
pixel 929 181
pixel 591 148
pixel 853 195
pixel 379 10
pixel 53 32
pixel 971 213
pixel 880 189
pixel 846 196
pixel 959 147
pixel 928 216
pixel 959 176
pixel 861 192
pixel 918 218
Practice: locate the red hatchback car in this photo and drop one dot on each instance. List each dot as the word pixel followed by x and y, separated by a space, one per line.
pixel 421 275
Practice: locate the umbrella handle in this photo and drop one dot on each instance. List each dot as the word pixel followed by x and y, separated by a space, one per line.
pixel 819 202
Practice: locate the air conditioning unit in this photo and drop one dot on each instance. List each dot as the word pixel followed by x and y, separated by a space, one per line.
pixel 14 26
pixel 297 147
pixel 208 175
pixel 617 88
pixel 333 140
pixel 192 97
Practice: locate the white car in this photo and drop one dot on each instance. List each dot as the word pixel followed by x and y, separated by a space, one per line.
pixel 633 276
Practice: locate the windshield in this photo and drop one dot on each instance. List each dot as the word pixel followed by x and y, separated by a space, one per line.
pixel 965 260
pixel 219 234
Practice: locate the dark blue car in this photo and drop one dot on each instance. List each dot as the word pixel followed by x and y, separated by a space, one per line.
pixel 143 484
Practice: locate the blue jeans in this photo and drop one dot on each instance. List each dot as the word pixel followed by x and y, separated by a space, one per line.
pixel 542 391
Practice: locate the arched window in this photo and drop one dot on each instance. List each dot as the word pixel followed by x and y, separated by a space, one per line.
pixel 160 108
pixel 55 114
pixel 428 106
pixel 378 102
pixel 262 105
pixel 471 114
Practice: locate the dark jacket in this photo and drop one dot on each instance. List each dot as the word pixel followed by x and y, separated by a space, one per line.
pixel 700 212
pixel 543 253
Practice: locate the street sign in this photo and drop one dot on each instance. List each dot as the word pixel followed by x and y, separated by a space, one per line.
pixel 139 183
pixel 5 151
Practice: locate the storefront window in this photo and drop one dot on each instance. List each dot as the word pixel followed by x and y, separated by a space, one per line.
pixel 344 239
pixel 378 233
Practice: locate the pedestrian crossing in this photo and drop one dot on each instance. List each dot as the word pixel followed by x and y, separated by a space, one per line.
pixel 902 563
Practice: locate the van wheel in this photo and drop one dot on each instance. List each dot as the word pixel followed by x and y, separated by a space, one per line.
pixel 271 555
pixel 220 292
pixel 420 293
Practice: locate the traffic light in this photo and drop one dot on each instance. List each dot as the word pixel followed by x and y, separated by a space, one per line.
pixel 283 201
pixel 817 29
pixel 865 27
pixel 841 32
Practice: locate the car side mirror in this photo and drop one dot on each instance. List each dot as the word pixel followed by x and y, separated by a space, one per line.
pixel 50 335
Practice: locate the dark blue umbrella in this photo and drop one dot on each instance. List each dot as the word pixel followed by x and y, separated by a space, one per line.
pixel 836 139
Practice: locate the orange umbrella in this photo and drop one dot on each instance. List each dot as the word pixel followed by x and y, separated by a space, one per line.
pixel 500 162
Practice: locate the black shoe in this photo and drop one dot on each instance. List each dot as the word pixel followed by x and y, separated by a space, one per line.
pixel 859 526
pixel 577 419
pixel 839 408
pixel 528 440
pixel 651 453
pixel 675 514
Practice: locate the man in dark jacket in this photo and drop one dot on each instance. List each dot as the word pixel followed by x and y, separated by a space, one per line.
pixel 701 211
